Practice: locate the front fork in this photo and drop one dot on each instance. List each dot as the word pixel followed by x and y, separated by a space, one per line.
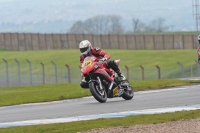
pixel 100 84
pixel 98 81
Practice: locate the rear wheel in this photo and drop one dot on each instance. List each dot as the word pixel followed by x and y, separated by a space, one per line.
pixel 99 94
pixel 128 92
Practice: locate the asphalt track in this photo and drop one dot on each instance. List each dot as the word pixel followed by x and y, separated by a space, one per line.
pixel 145 100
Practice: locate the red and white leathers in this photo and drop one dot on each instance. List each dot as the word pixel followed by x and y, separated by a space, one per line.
pixel 97 52
pixel 198 52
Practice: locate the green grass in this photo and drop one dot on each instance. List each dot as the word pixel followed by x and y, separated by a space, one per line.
pixel 149 59
pixel 1 49
pixel 41 93
pixel 131 58
pixel 74 127
pixel 54 92
pixel 160 84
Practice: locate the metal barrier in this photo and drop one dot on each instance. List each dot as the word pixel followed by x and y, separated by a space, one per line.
pixel 26 73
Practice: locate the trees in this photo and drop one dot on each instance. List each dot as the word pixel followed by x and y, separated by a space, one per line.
pixel 138 25
pixel 100 24
pixel 77 27
pixel 111 24
pixel 157 25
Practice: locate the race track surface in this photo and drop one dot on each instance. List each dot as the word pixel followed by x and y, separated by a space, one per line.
pixel 172 97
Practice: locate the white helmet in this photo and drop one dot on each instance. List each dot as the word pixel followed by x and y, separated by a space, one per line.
pixel 198 38
pixel 85 47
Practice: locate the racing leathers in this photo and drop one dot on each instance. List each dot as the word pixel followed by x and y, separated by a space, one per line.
pixel 198 52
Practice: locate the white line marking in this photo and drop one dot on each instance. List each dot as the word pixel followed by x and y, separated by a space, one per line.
pixel 97 116
pixel 170 89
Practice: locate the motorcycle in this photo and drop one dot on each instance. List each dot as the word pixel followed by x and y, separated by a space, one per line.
pixel 103 82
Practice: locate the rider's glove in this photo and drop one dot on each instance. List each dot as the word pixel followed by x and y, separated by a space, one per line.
pixel 104 59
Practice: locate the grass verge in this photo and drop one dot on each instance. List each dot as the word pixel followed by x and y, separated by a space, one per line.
pixel 74 127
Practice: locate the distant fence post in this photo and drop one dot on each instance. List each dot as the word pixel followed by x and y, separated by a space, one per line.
pixel 191 71
pixel 154 45
pixel 68 76
pixel 55 66
pixel 127 72
pixel 43 72
pixel 30 66
pixel 198 66
pixel 7 73
pixel 182 68
pixel 19 77
pixel 158 71
pixel 142 72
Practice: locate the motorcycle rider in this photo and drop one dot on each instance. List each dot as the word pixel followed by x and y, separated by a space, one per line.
pixel 198 50
pixel 86 49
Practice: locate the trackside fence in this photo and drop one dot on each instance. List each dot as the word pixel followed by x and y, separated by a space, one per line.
pixel 36 41
pixel 26 73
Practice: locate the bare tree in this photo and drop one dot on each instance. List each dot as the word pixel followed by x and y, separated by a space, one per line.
pixel 135 24
pixel 77 27
pixel 115 25
pixel 89 26
pixel 97 24
pixel 100 24
pixel 138 26
pixel 157 25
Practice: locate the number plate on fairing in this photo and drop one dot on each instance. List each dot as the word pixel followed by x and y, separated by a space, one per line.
pixel 115 91
pixel 87 63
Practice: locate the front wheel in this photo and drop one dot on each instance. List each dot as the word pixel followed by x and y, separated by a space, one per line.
pixel 99 94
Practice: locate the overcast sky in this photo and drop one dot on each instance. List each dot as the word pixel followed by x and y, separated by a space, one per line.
pixel 175 12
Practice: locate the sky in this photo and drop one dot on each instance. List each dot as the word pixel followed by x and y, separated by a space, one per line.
pixel 177 13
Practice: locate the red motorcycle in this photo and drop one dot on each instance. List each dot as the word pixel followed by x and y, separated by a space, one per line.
pixel 103 83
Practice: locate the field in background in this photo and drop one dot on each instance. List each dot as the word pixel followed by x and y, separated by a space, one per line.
pixel 22 74
pixel 131 58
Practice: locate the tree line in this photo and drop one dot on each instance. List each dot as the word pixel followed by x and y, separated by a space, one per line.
pixel 111 24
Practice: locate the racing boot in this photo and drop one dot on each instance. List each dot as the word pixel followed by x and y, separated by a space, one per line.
pixel 121 76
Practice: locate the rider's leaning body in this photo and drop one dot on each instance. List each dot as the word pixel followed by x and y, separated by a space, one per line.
pixel 97 52
pixel 86 49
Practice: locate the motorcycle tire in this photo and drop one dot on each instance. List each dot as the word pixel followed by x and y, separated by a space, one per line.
pixel 128 94
pixel 99 95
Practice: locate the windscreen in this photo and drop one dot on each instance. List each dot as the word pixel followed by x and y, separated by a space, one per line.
pixel 87 61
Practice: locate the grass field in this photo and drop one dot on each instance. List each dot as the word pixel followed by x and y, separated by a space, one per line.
pixel 149 59
pixel 131 58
